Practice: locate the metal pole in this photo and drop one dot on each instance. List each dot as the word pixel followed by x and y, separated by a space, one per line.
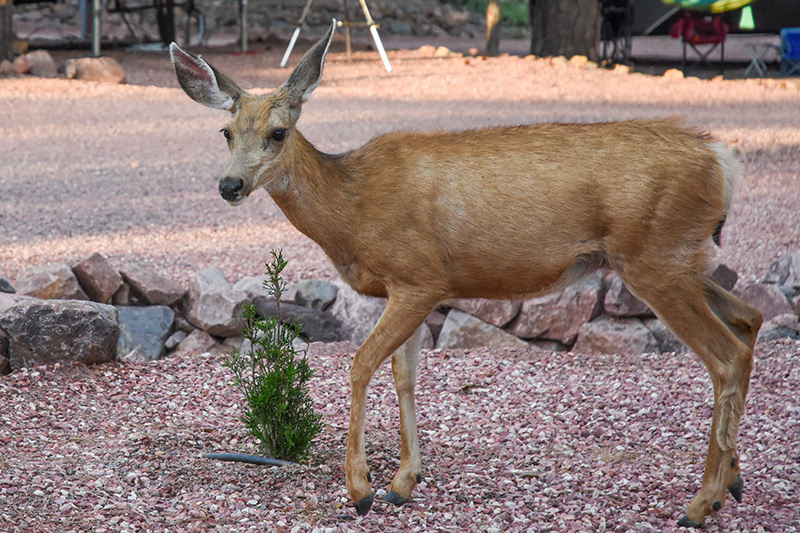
pixel 296 33
pixel 96 30
pixel 243 25
pixel 373 29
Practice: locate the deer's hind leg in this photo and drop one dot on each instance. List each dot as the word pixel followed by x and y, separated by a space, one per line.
pixel 722 331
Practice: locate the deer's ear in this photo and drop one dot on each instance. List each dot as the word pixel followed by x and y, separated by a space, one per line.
pixel 308 72
pixel 203 83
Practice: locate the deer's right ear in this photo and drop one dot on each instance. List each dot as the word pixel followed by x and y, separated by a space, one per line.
pixel 203 83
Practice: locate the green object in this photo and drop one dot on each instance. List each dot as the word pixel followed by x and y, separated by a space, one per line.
pixel 747 22
pixel 712 6
pixel 273 377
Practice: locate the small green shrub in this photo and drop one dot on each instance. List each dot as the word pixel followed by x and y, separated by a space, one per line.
pixel 273 375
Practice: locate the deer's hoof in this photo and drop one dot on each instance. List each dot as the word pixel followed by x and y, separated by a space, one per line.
pixel 363 505
pixel 736 489
pixel 394 498
pixel 688 522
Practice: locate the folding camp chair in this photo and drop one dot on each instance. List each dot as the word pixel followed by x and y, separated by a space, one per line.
pixel 696 29
pixel 790 51
pixel 616 31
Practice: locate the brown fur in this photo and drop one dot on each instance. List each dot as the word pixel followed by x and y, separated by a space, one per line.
pixel 500 213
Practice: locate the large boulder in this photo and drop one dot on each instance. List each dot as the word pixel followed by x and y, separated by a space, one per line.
pixel 317 325
pixel 154 288
pixel 620 301
pixel 785 271
pixel 51 282
pixel 198 342
pixel 560 316
pixel 358 314
pixel 60 331
pixel 214 305
pixel 495 312
pixel 145 329
pixel 5 286
pixel 97 69
pixel 97 277
pixel 627 336
pixel 315 293
pixel 766 297
pixel 779 327
pixel 462 330
pixel 42 64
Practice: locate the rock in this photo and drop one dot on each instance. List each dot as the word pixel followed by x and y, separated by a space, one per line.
pixel 197 341
pixel 22 64
pixel 9 300
pixel 442 51
pixel 253 287
pixel 495 312
pixel 780 327
pixel 154 288
pixel 43 65
pixel 578 61
pixel 98 279
pixel 357 314
pixel 621 69
pixel 315 293
pixel 667 341
pixel 123 295
pixel 462 330
pixel 133 357
pixel 725 277
pixel 5 364
pixel 426 50
pixel 145 329
pixel 174 340
pixel 97 69
pixel 435 323
pixel 627 336
pixel 766 297
pixel 559 316
pixel 214 305
pixel 51 282
pixel 621 302
pixel 60 331
pixel 785 271
pixel 5 286
pixel 673 74
pixel 6 67
pixel 317 325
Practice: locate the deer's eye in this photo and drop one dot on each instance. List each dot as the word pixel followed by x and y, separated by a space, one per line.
pixel 279 134
pixel 227 133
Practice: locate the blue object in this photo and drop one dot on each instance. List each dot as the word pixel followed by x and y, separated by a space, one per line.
pixel 790 51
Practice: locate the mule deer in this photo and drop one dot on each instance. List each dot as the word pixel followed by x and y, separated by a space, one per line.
pixel 498 213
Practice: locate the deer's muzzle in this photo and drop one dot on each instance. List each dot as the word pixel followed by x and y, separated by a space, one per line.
pixel 230 189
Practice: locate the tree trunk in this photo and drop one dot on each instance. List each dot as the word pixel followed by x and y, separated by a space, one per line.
pixel 565 27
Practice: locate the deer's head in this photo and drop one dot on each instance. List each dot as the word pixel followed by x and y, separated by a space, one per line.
pixel 262 127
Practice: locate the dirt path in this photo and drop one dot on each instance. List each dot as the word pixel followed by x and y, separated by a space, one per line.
pixel 131 170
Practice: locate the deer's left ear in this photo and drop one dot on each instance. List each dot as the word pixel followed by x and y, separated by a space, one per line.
pixel 203 83
pixel 308 72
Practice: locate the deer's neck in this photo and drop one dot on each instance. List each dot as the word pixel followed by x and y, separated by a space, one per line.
pixel 313 194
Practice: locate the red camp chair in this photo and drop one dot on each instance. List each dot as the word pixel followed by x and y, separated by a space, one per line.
pixel 701 29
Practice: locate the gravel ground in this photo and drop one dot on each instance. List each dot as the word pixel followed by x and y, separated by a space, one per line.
pixel 614 443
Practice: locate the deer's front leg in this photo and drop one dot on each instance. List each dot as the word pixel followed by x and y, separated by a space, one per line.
pixel 403 315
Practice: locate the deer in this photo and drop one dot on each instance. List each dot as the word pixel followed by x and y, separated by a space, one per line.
pixel 503 213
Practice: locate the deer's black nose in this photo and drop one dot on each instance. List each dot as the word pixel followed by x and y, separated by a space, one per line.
pixel 230 188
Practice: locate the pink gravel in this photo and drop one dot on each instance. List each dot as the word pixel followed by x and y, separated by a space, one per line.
pixel 512 441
